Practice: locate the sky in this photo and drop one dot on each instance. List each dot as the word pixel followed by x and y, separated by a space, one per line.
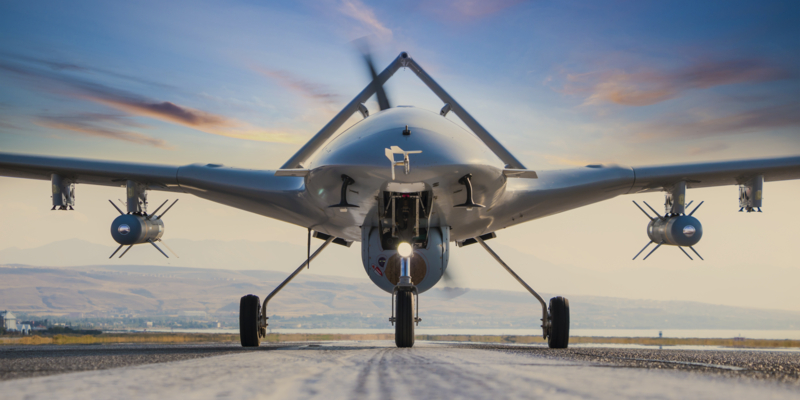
pixel 561 84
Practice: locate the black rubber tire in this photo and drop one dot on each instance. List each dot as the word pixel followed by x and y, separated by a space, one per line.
pixel 559 323
pixel 249 309
pixel 404 319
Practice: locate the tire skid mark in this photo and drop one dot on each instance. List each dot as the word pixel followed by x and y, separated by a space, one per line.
pixel 367 369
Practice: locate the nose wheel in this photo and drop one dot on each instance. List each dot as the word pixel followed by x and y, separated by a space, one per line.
pixel 404 319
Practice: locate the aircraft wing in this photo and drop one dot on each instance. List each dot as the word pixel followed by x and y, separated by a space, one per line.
pixel 557 191
pixel 659 177
pixel 106 173
pixel 258 191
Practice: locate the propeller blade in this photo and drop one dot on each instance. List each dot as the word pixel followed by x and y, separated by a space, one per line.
pixel 695 209
pixel 159 207
pixel 695 252
pixel 652 251
pixel 380 93
pixel 120 211
pixel 126 250
pixel 643 249
pixel 645 213
pixel 452 286
pixel 158 248
pixel 687 254
pixel 165 211
pixel 120 246
pixel 168 248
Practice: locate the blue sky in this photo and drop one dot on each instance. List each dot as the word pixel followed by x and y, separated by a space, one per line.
pixel 560 84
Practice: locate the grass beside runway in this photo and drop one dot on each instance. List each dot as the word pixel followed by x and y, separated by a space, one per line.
pixel 121 338
pixel 108 338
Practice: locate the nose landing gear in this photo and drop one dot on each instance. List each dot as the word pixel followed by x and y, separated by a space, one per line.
pixel 405 301
pixel 404 318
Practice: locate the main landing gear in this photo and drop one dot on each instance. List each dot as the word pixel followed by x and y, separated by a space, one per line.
pixel 555 323
pixel 253 316
pixel 249 312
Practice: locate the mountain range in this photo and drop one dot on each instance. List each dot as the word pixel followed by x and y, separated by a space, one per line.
pixel 147 291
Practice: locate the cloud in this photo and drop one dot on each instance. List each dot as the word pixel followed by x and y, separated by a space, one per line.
pixel 709 148
pixel 57 65
pixel 780 116
pixel 9 128
pixel 135 104
pixel 650 87
pixel 309 90
pixel 467 10
pixel 88 125
pixel 162 110
pixel 356 10
pixel 568 160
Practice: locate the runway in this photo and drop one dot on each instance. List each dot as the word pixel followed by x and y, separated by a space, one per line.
pixel 378 370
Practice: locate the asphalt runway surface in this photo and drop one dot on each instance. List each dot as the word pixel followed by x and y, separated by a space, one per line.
pixel 367 370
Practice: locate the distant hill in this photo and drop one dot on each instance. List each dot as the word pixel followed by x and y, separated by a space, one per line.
pixel 757 286
pixel 215 254
pixel 145 290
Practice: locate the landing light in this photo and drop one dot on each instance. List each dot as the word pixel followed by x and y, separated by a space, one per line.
pixel 404 250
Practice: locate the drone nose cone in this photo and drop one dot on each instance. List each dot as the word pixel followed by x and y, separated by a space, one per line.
pixel 686 230
pixel 126 229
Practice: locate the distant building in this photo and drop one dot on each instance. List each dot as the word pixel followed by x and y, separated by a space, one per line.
pixel 25 329
pixel 8 320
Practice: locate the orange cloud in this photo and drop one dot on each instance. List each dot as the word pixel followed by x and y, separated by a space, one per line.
pixel 309 90
pixel 709 148
pixel 142 106
pixel 192 118
pixel 80 125
pixel 651 87
pixel 780 116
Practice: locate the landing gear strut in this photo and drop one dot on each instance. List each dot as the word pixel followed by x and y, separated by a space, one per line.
pixel 253 316
pixel 555 323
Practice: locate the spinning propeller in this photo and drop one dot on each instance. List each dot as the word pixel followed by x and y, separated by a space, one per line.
pixel 363 46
